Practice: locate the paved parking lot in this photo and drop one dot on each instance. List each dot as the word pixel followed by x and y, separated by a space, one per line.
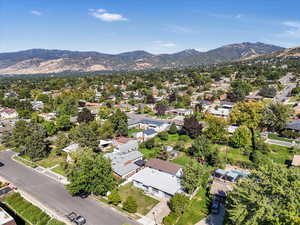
pixel 54 196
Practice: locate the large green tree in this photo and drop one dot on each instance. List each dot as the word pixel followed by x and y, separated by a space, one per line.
pixel 119 122
pixel 270 196
pixel 91 173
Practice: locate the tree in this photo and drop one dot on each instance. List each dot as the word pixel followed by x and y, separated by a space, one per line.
pixel 91 173
pixel 50 127
pixel 150 99
pixel 85 135
pixel 200 147
pixel 161 109
pixel 62 141
pixel 276 116
pixel 130 205
pixel 172 97
pixel 24 109
pixel 241 138
pixel 173 129
pixel 114 198
pixel 192 127
pixel 104 112
pixel 163 136
pixel 119 122
pixel 36 147
pixel 163 154
pixel 239 89
pixel 194 175
pixel 270 196
pixel 268 92
pixel 85 116
pixel 249 114
pixel 216 130
pixel 178 203
pixel 63 123
pixel 106 130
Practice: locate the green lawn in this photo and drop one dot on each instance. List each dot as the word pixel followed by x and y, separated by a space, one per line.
pixel 280 154
pixel 149 153
pixel 196 211
pixel 276 137
pixel 51 160
pixel 232 154
pixel 2 147
pixel 21 160
pixel 144 202
pixel 59 170
pixel 182 159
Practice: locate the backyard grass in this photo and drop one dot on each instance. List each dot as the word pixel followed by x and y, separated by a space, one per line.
pixel 233 154
pixel 149 153
pixel 196 211
pixel 280 154
pixel 144 202
pixel 182 159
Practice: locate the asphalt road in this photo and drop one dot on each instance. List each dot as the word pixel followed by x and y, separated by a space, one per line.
pixel 54 196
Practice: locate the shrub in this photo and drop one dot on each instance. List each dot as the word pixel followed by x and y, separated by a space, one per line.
pixel 173 129
pixel 130 205
pixel 114 198
pixel 178 203
pixel 163 136
pixel 170 219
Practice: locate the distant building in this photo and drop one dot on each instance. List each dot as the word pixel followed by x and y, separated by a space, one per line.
pixel 8 113
pixel 294 125
pixel 5 218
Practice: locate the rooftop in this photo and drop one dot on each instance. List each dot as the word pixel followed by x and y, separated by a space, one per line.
pixel 4 217
pixel 159 180
pixel 296 160
pixel 294 125
pixel 164 166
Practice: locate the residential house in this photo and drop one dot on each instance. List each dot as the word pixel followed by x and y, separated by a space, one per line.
pixel 165 166
pixel 105 145
pixel 48 116
pixel 10 94
pixel 37 105
pixel 145 135
pixel 5 218
pixel 219 112
pixel 180 112
pixel 125 160
pixel 70 149
pixel 145 124
pixel 8 113
pixel 157 182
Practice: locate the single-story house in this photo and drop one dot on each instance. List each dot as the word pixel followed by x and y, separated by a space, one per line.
pixel 37 105
pixel 125 164
pixel 130 145
pixel 220 112
pixel 105 144
pixel 69 149
pixel 146 134
pixel 181 112
pixel 226 105
pixel 145 124
pixel 8 113
pixel 165 166
pixel 156 182
pixel 296 160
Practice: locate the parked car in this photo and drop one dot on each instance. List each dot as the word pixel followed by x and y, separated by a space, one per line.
pixel 83 194
pixel 1 164
pixel 215 206
pixel 73 217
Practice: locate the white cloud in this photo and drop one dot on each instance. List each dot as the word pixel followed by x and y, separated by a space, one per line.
pixel 104 15
pixel 36 12
pixel 293 29
pixel 164 44
pixel 239 16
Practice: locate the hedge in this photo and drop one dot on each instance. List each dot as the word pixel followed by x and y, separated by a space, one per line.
pixel 29 212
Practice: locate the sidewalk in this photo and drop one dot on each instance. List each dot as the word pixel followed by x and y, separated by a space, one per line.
pixel 46 171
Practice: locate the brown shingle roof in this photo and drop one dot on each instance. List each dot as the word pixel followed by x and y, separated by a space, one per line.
pixel 164 166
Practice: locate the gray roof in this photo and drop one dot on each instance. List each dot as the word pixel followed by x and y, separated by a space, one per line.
pixel 129 146
pixel 294 125
pixel 153 122
pixel 149 132
pixel 133 122
pixel 123 162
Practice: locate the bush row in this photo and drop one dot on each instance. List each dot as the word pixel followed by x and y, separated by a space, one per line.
pixel 28 211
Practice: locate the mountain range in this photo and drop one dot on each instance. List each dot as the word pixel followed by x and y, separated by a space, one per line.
pixel 43 61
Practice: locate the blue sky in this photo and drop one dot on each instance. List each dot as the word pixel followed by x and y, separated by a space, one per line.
pixel 157 26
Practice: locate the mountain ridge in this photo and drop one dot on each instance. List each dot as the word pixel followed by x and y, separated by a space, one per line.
pixel 37 61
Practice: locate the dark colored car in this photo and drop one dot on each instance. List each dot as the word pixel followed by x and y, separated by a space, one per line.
pixel 73 217
pixel 83 194
pixel 1 164
pixel 215 207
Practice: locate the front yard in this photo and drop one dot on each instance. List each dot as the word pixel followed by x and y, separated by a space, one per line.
pixel 145 203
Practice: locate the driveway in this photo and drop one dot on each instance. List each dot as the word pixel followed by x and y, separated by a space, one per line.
pixel 54 196
pixel 214 219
